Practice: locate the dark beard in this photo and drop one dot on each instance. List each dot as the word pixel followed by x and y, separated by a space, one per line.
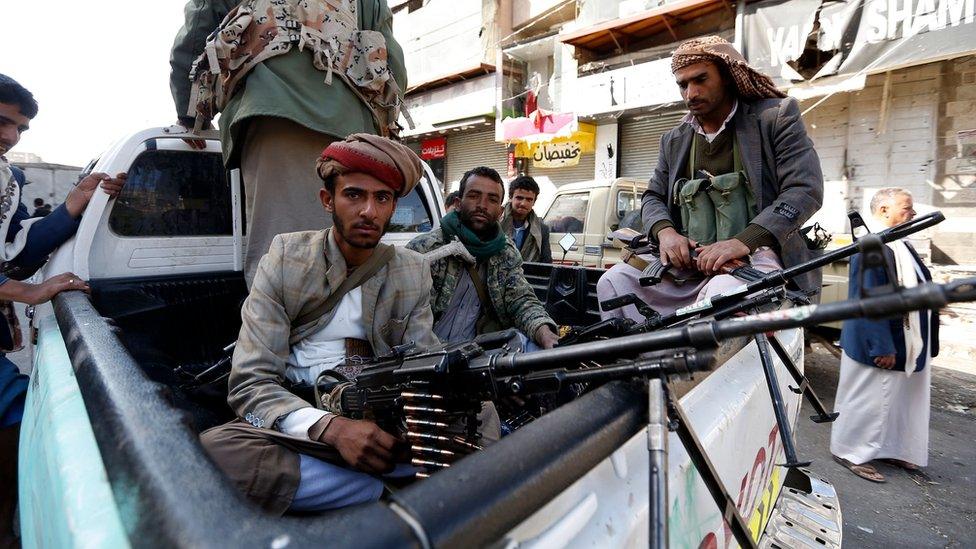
pixel 339 224
pixel 488 233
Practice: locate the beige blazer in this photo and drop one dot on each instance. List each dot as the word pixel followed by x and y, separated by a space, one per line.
pixel 295 276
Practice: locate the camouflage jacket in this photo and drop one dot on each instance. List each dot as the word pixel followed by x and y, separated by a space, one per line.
pixel 513 299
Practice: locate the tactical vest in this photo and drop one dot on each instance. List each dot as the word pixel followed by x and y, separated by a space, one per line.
pixel 257 30
pixel 717 207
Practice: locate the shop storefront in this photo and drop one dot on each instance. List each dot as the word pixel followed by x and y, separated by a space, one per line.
pixel 888 98
pixel 640 142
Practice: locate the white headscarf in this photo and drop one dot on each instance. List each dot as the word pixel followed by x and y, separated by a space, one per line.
pixel 908 277
pixel 9 201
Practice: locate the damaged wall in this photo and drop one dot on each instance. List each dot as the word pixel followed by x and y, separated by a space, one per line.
pixel 866 142
pixel 955 184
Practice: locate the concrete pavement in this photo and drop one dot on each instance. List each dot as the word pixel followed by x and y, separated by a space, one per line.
pixel 934 508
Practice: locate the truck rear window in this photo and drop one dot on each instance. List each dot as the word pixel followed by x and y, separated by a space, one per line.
pixel 174 193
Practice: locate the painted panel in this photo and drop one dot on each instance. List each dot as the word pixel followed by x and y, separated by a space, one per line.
pixel 65 496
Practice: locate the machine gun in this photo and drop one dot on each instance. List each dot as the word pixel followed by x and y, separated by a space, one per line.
pixel 765 281
pixel 432 397
pixel 759 290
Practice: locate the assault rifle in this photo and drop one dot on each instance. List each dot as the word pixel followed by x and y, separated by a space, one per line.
pixel 432 397
pixel 752 284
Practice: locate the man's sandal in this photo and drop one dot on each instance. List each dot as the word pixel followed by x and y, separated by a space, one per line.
pixel 864 470
pixel 906 465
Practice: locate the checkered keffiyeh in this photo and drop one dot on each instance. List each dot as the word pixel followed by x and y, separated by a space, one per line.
pixel 751 83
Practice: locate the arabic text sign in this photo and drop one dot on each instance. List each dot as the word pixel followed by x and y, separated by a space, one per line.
pixel 433 148
pixel 557 155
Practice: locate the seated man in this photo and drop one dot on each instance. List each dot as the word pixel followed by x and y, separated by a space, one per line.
pixel 519 222
pixel 737 178
pixel 491 294
pixel 322 300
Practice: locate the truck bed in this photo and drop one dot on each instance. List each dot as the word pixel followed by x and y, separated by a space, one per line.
pixel 175 327
pixel 169 492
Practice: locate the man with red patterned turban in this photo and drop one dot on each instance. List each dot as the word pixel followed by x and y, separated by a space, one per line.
pixel 324 301
pixel 736 179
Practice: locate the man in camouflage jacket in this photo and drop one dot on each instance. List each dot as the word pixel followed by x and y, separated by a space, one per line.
pixel 511 302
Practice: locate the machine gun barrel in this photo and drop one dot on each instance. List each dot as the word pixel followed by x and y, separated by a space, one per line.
pixel 707 334
pixel 776 278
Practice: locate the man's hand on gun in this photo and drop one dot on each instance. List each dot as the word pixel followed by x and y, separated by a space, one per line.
pixel 197 144
pixel 363 444
pixel 675 248
pixel 713 257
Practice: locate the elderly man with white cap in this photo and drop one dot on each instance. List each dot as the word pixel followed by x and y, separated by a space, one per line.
pixel 324 300
pixel 736 179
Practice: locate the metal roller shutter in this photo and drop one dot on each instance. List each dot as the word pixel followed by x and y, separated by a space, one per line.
pixel 468 150
pixel 560 176
pixel 640 142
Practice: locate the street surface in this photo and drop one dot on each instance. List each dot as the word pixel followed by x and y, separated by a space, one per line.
pixel 936 508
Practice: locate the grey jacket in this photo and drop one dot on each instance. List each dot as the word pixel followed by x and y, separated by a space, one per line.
pixel 296 275
pixel 783 169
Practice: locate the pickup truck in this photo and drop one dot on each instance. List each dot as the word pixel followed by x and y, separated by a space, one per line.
pixel 109 446
pixel 590 211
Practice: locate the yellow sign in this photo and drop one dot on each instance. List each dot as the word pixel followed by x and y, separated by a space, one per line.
pixel 557 155
pixel 559 152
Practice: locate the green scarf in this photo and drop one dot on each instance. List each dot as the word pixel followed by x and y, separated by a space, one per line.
pixel 481 250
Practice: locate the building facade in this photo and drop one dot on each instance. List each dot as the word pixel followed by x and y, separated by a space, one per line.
pixel 49 182
pixel 570 91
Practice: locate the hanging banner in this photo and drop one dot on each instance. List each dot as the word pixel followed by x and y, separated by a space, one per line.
pixel 557 155
pixel 854 36
pixel 897 33
pixel 776 34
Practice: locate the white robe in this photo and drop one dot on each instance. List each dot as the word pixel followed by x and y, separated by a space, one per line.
pixel 884 414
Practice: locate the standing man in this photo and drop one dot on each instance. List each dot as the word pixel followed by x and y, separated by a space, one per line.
pixel 26 243
pixel 884 386
pixel 40 208
pixel 285 94
pixel 492 294
pixel 519 222
pixel 324 301
pixel 736 179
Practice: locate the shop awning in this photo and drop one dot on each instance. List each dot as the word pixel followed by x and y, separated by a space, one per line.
pixel 541 125
pixel 608 36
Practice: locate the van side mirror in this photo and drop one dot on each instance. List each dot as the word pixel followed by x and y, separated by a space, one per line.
pixel 567 242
